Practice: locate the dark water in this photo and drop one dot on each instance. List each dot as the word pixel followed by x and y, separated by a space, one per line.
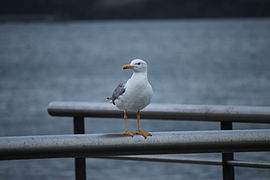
pixel 190 62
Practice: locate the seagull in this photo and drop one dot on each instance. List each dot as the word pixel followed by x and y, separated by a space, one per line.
pixel 134 95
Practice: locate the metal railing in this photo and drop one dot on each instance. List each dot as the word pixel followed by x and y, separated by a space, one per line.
pixel 218 113
pixel 118 146
pixel 226 115
pixel 97 145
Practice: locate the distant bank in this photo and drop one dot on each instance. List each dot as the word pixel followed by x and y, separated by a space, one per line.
pixel 130 9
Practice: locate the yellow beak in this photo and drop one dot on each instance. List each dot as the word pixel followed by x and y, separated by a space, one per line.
pixel 128 66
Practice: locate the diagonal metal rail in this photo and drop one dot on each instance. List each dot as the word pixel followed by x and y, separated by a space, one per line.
pixel 190 160
pixel 60 146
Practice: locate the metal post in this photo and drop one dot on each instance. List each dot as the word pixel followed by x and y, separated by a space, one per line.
pixel 228 170
pixel 80 164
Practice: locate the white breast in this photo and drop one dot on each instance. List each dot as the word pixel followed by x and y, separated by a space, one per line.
pixel 137 95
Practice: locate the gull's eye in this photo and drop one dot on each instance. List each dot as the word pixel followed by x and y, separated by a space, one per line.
pixel 139 63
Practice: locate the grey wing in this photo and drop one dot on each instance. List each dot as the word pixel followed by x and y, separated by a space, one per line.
pixel 119 90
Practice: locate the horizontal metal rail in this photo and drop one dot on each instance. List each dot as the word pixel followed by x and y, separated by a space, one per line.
pixel 169 112
pixel 190 160
pixel 60 146
pixel 192 143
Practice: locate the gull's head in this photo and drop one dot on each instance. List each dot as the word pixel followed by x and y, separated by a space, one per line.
pixel 137 65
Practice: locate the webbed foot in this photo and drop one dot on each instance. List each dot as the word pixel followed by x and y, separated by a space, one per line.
pixel 129 133
pixel 143 133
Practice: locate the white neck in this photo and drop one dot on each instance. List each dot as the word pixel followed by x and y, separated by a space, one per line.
pixel 141 75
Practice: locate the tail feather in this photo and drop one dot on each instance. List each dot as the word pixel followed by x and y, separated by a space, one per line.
pixel 110 99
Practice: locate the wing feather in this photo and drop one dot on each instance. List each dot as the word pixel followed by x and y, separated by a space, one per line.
pixel 119 90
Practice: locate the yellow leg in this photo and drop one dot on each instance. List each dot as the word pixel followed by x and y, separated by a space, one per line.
pixel 139 130
pixel 126 132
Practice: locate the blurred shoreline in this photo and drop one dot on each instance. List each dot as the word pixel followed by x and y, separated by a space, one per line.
pixel 59 19
pixel 50 10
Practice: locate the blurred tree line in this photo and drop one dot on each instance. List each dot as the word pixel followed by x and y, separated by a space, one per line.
pixel 135 9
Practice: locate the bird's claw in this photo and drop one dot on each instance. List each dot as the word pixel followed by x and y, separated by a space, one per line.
pixel 143 133
pixel 129 133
